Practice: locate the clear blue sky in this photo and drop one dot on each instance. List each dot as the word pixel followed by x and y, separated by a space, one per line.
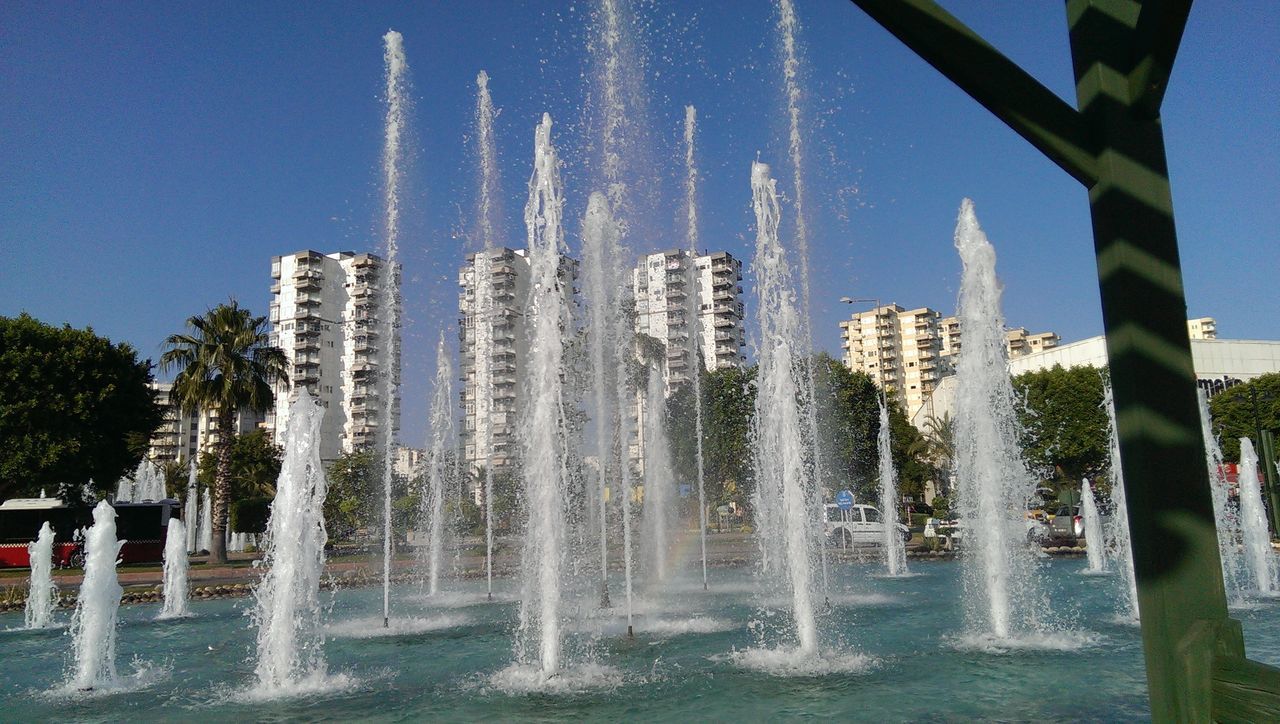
pixel 154 156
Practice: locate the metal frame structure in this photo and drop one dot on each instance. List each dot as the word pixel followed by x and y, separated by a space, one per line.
pixel 1113 144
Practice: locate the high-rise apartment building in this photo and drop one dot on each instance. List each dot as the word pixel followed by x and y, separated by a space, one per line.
pixel 678 295
pixel 324 315
pixel 493 347
pixel 184 435
pixel 900 349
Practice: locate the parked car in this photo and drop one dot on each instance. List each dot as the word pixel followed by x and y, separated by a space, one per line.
pixel 860 525
pixel 1067 523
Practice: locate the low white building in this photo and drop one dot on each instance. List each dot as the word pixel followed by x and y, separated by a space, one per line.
pixel 1219 364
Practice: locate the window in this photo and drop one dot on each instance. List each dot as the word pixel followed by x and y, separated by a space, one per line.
pixel 872 515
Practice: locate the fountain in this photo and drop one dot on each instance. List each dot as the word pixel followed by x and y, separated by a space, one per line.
pixel 543 427
pixel 389 301
pixel 617 102
pixel 895 551
pixel 1259 560
pixel 191 507
pixel 431 518
pixel 205 539
pixel 600 252
pixel 1121 550
pixel 290 646
pixel 1226 515
pixel 175 571
pixel 42 593
pixel 660 493
pixel 488 164
pixel 783 472
pixel 695 339
pixel 93 625
pixel 1094 545
pixel 1002 599
pixel 788 27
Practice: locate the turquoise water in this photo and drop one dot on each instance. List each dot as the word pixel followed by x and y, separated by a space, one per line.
pixel 450 668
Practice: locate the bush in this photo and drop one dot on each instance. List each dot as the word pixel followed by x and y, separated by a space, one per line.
pixel 250 515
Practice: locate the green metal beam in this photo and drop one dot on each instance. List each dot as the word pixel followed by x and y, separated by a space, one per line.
pixel 996 82
pixel 1157 35
pixel 1122 54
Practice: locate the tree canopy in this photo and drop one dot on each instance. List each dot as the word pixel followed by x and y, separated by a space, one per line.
pixel 1242 410
pixel 255 466
pixel 225 363
pixel 1065 428
pixel 73 407
pixel 728 399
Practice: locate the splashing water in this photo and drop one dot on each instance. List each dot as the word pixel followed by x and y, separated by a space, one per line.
pixel 695 342
pixel 205 539
pixel 784 478
pixel 175 571
pixel 788 28
pixel 660 493
pixel 543 427
pixel 1094 545
pixel 488 163
pixel 191 510
pixel 287 613
pixel 600 252
pixel 1259 560
pixel 442 433
pixel 1120 546
pixel 1001 584
pixel 895 552
pixel 1227 516
pixel 93 625
pixel 389 302
pixel 42 593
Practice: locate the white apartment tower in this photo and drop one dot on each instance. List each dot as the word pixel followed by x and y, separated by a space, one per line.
pixel 900 349
pixel 1018 341
pixel 1202 328
pixel 678 295
pixel 493 346
pixel 324 315
pixel 183 435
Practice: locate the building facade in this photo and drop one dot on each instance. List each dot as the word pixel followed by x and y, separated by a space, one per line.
pixel 325 317
pixel 183 435
pixel 493 346
pixel 691 302
pixel 900 349
pixel 1202 328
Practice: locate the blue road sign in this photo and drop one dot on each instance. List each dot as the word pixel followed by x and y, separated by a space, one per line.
pixel 844 500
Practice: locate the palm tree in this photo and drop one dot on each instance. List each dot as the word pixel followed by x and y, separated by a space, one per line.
pixel 940 441
pixel 225 364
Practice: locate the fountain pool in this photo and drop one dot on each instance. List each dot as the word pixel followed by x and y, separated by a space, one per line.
pixel 906 625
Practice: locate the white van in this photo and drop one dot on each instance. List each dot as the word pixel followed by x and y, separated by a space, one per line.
pixel 860 525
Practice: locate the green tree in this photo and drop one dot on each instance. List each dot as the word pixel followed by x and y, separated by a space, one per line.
pixel 728 403
pixel 224 363
pixel 849 421
pixel 1242 410
pixel 1064 424
pixel 348 505
pixel 255 467
pixel 73 407
pixel 938 445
